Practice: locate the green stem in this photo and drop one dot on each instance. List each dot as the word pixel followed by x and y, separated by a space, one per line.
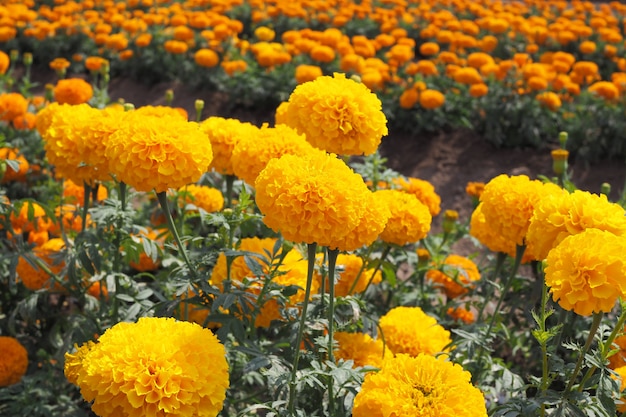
pixel 383 256
pixel 162 197
pixel 363 265
pixel 87 192
pixel 519 253
pixel 312 247
pixel 332 262
pixel 230 180
pixel 499 264
pixel 597 318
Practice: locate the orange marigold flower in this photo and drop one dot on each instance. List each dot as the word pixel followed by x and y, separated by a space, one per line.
pixel 5 62
pixel 605 89
pixel 36 278
pixel 468 75
pixel 474 189
pixel 69 217
pixel 73 91
pixel 305 73
pixel 311 198
pixel 478 90
pixel 264 34
pixel 429 48
pixel 322 53
pixel 423 190
pixel 411 331
pixel 31 217
pixel 478 59
pixel 133 367
pixel 207 198
pixel 252 153
pixel 457 275
pixel 586 272
pixel 150 153
pixel 360 348
pixel 12 105
pixel 9 173
pixel 59 64
pixel 206 58
pixel 461 314
pixel 14 361
pixel 432 99
pixel 337 114
pixel 549 99
pixel 587 47
pixel 223 135
pixel 25 121
pixel 557 216
pixel 410 219
pixel 176 47
pixel 147 262
pixel 409 98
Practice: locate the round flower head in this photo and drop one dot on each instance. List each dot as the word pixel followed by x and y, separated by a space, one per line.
pixel 154 367
pixel 73 91
pixel 280 116
pixel 207 198
pixel 35 278
pixel 13 361
pixel 509 203
pixel 147 262
pixel 151 153
pixel 311 198
pixel 12 105
pixel 586 272
pixel 561 215
pixel 252 153
pixel 410 219
pixel 423 190
pixel 23 165
pixel 75 194
pixel 410 330
pixel 64 141
pixel 338 115
pixel 370 226
pixel 224 135
pixel 359 347
pixel 162 111
pixel 419 386
pixel 457 274
pixel 31 217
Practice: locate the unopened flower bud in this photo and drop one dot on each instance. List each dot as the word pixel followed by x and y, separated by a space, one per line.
pixel 559 161
pixel 449 220
pixel 605 188
pixel 563 139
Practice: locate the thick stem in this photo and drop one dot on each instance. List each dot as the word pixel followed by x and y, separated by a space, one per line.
pixel 597 318
pixel 332 261
pixel 312 248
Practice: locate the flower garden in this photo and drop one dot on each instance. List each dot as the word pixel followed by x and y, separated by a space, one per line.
pixel 156 261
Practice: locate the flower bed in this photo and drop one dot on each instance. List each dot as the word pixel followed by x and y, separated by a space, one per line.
pixel 155 262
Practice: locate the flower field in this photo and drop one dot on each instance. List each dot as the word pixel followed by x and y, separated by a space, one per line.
pixel 161 261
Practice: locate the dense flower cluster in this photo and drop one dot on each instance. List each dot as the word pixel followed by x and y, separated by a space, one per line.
pixel 560 215
pixel 419 386
pixel 13 361
pixel 313 198
pixel 410 219
pixel 156 366
pixel 151 153
pixel 586 272
pixel 338 115
pixel 409 330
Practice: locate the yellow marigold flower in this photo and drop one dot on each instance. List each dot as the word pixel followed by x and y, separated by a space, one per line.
pixel 281 113
pixel 370 226
pixel 457 275
pixel 349 267
pixel 359 347
pixel 162 111
pixel 560 215
pixel 207 198
pixel 35 278
pixel 337 114
pixel 461 314
pixel 423 190
pixel 432 99
pixel 224 135
pixel 311 198
pixel 410 219
pixel 64 141
pixel 508 203
pixel 206 58
pixel 586 272
pixel 13 361
pixel 12 105
pixel 264 34
pixel 156 366
pixel 252 153
pixel 419 386
pixel 409 330
pixel 73 91
pixel 150 153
